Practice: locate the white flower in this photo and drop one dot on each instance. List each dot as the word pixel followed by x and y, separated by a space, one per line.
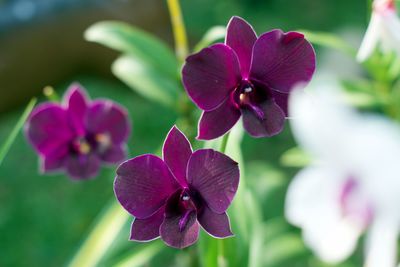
pixel 383 29
pixel 353 185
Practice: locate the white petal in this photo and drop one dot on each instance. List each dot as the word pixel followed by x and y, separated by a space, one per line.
pixel 312 203
pixel 374 159
pixel 319 121
pixel 371 38
pixel 391 31
pixel 382 244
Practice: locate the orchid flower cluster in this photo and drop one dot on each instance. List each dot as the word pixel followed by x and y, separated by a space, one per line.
pixel 350 187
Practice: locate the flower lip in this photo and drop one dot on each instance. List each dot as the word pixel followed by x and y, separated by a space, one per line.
pixel 248 96
pixel 354 205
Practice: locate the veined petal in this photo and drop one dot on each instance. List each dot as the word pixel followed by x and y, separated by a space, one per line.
pixel 106 117
pixel 371 38
pixel 215 224
pixel 143 184
pixel 217 122
pixel 176 153
pixel 48 128
pixel 144 230
pixel 267 120
pixel 240 36
pixel 82 166
pixel 215 176
pixel 76 102
pixel 210 75
pixel 313 203
pixel 282 60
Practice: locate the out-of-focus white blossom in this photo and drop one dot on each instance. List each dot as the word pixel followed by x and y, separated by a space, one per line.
pixel 383 30
pixel 353 185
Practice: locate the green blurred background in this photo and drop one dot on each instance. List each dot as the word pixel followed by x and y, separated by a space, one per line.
pixel 43 219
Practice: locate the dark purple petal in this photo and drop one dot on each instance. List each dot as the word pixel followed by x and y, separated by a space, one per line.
pixel 48 129
pixel 82 166
pixel 143 184
pixel 180 227
pixel 176 153
pixel 55 160
pixel 210 75
pixel 215 224
pixel 215 176
pixel 114 154
pixel 241 37
pixel 49 164
pixel 147 229
pixel 217 122
pixel 76 102
pixel 281 99
pixel 267 121
pixel 281 60
pixel 106 117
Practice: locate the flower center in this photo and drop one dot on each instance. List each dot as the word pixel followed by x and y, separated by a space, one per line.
pixel 81 146
pixel 103 142
pixel 244 94
pixel 187 205
pixel 85 145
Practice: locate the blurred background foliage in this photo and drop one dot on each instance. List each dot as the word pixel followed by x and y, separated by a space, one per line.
pixel 44 219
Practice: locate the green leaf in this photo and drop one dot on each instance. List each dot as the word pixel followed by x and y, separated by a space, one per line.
pixel 146 80
pixel 330 41
pixel 20 123
pixel 103 234
pixel 283 249
pixel 361 94
pixel 213 35
pixel 142 256
pixel 295 157
pixel 138 43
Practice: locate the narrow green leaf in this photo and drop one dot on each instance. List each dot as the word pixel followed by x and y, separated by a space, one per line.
pixel 208 250
pixel 142 256
pixel 329 40
pixel 146 80
pixel 138 43
pixel 20 123
pixel 213 35
pixel 101 237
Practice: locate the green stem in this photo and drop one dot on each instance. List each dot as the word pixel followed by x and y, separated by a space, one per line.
pixel 101 237
pixel 221 259
pixel 224 142
pixel 179 31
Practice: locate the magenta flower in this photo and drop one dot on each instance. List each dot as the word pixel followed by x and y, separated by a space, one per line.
pixel 78 135
pixel 247 76
pixel 173 196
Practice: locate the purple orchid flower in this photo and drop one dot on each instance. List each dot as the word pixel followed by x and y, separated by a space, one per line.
pixel 247 76
pixel 79 134
pixel 173 196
